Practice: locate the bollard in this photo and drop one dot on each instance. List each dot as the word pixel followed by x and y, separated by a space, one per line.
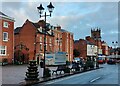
pixel 32 73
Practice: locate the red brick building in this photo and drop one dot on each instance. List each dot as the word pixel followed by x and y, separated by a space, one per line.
pixel 105 49
pixel 32 36
pixel 6 37
pixel 81 46
pixel 58 39
pixel 90 39
pixel 91 45
pixel 86 48
pixel 67 44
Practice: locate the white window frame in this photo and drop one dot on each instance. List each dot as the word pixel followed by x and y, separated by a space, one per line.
pixel 40 47
pixel 40 39
pixel 5 48
pixel 5 39
pixel 5 24
pixel 50 40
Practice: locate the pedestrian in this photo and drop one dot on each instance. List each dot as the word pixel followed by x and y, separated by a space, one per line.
pixel 41 63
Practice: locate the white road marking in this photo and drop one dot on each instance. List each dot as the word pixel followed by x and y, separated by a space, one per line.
pixel 93 80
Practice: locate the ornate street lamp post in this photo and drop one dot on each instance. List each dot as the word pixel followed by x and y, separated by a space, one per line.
pixel 92 48
pixel 40 10
pixel 115 48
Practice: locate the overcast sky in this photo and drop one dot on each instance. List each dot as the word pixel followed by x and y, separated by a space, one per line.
pixel 76 17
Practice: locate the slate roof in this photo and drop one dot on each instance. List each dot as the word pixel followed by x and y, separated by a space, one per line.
pixel 17 30
pixel 88 42
pixel 3 14
pixel 62 30
pixel 36 25
pixel 6 16
pixel 76 41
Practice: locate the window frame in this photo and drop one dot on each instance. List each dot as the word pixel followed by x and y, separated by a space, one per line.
pixel 40 47
pixel 5 24
pixel 4 39
pixel 5 49
pixel 40 39
pixel 50 40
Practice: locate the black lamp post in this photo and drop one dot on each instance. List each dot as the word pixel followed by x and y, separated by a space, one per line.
pixel 40 10
pixel 92 48
pixel 115 48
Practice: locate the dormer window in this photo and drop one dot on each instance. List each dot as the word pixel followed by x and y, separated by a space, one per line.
pixel 40 29
pixel 50 32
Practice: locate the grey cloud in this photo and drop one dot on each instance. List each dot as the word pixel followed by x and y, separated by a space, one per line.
pixel 104 17
pixel 77 17
pixel 12 5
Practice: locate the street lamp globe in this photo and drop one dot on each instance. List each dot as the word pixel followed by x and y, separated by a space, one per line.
pixel 50 8
pixel 40 9
pixel 115 43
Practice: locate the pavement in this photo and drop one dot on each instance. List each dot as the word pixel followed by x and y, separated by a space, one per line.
pixel 15 75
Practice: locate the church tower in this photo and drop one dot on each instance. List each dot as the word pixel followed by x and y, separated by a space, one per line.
pixel 96 35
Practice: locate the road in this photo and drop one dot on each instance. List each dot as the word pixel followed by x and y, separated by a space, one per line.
pixel 106 75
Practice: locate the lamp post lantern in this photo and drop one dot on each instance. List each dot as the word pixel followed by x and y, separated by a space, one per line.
pixel 40 10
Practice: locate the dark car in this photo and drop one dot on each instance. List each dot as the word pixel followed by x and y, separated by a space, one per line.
pixel 111 61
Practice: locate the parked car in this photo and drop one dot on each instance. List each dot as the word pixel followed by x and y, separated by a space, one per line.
pixel 77 59
pixel 101 60
pixel 111 61
pixel 118 60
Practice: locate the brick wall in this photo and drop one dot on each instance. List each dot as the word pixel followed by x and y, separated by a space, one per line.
pixel 10 43
pixel 81 46
pixel 55 43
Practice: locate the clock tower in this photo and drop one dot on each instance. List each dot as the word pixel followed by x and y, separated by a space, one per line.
pixel 96 35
